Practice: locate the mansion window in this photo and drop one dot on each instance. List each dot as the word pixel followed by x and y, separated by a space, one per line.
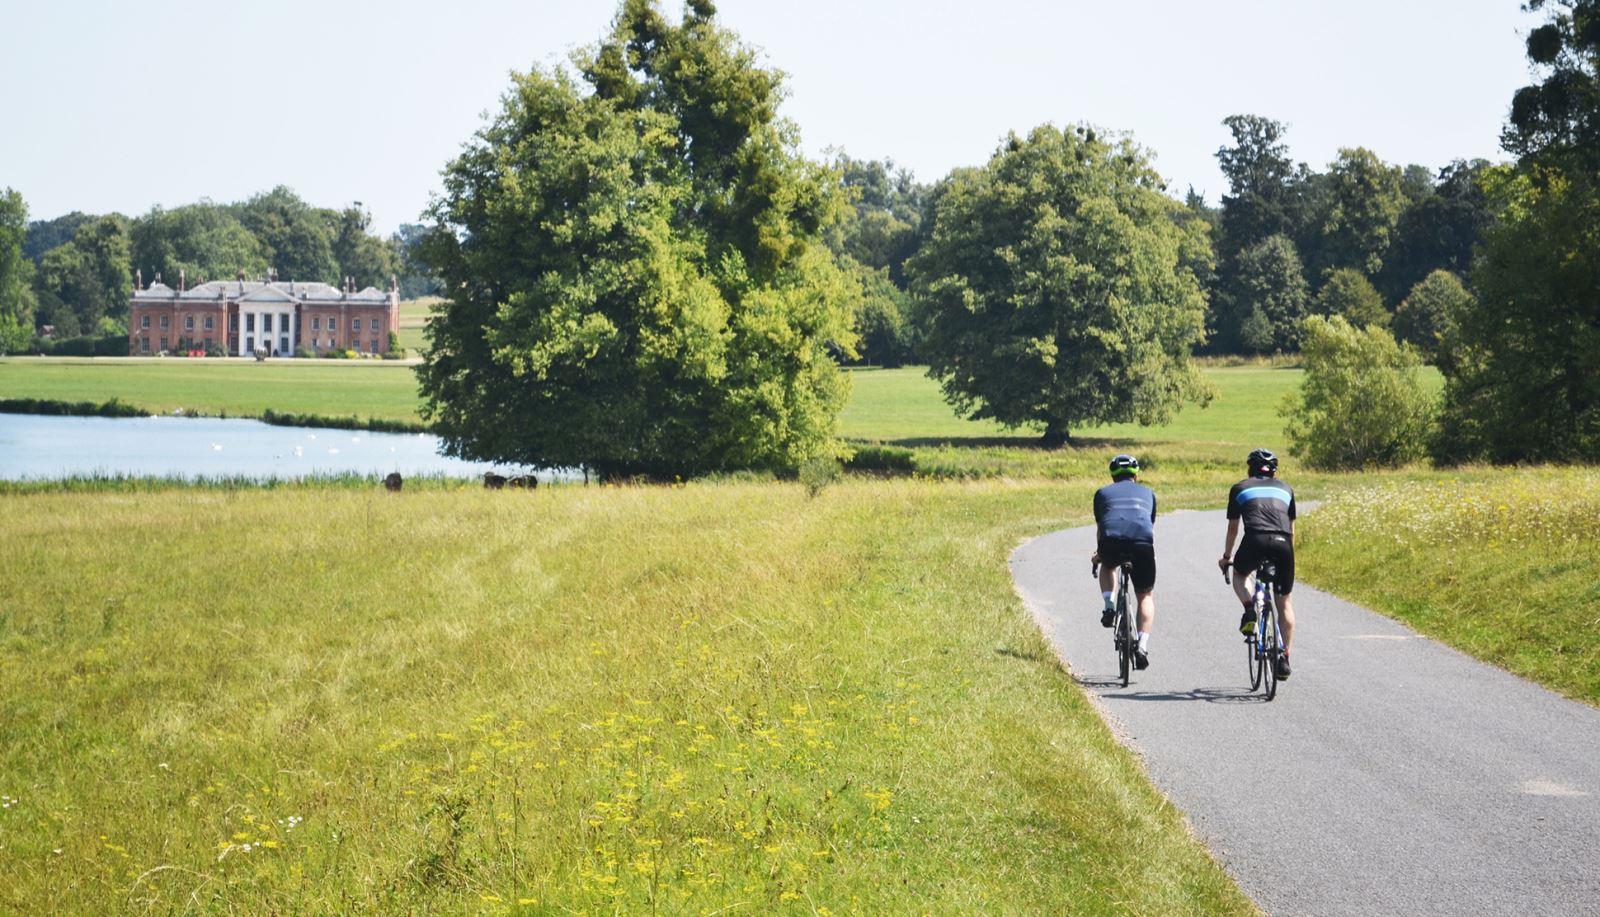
pixel 250 321
pixel 163 343
pixel 266 323
pixel 144 321
pixel 208 327
pixel 208 343
pixel 188 323
pixel 163 325
pixel 374 343
pixel 333 322
pixel 316 323
pixel 355 324
pixel 144 343
pixel 233 322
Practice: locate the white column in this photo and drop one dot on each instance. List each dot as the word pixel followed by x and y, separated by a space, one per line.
pixel 294 330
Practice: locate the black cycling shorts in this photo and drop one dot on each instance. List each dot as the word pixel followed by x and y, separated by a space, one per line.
pixel 1113 551
pixel 1258 547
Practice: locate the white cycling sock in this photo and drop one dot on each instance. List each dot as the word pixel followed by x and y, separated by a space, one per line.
pixel 1144 640
pixel 1107 597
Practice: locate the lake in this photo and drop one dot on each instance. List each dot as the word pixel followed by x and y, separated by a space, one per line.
pixel 37 447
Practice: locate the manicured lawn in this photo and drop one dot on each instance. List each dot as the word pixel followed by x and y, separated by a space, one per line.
pixel 718 698
pixel 366 388
pixel 904 404
pixel 886 405
pixel 413 317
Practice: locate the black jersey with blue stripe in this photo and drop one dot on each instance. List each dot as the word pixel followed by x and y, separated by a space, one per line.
pixel 1126 510
pixel 1265 504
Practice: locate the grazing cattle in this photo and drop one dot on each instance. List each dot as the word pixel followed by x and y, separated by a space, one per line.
pixel 391 483
pixel 523 480
pixel 493 481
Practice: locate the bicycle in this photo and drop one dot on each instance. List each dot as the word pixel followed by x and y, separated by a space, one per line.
pixel 1264 647
pixel 1122 637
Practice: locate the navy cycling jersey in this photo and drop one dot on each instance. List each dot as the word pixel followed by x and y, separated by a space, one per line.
pixel 1265 504
pixel 1126 510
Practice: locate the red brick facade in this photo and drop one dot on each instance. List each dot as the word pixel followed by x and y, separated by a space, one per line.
pixel 244 316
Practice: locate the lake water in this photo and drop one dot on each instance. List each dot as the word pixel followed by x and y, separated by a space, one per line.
pixel 35 447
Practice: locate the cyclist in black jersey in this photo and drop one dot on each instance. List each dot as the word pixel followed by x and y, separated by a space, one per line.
pixel 1125 518
pixel 1266 506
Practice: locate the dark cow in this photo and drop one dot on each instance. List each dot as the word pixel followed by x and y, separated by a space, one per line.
pixel 391 482
pixel 493 481
pixel 523 480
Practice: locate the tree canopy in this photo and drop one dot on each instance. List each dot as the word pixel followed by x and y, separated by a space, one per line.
pixel 1524 381
pixel 1360 404
pixel 1054 288
pixel 633 259
pixel 201 241
pixel 16 273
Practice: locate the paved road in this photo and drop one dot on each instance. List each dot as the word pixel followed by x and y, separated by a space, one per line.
pixel 1391 775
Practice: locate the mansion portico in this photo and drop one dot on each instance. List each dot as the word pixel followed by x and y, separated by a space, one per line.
pixel 244 316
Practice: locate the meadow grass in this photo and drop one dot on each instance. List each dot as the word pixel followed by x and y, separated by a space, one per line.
pixel 1498 563
pixel 711 699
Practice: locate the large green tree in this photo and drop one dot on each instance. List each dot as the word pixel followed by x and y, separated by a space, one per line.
pixel 16 273
pixel 1365 199
pixel 1524 384
pixel 1350 294
pixel 633 259
pixel 1264 185
pixel 84 284
pixel 1268 296
pixel 1360 404
pixel 361 256
pixel 1054 286
pixel 295 238
pixel 204 241
pixel 1429 318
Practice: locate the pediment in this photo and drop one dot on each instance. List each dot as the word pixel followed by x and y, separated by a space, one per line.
pixel 267 295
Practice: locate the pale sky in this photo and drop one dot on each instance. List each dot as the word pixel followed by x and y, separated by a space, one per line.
pixel 109 105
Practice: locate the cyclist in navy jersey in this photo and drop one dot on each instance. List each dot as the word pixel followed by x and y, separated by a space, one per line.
pixel 1266 507
pixel 1125 518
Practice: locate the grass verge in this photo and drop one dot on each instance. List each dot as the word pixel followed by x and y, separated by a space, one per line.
pixel 575 700
pixel 1498 563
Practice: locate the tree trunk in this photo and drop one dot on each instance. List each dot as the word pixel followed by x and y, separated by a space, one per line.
pixel 1055 436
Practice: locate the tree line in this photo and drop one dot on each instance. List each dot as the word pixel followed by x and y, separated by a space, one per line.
pixel 644 275
pixel 75 273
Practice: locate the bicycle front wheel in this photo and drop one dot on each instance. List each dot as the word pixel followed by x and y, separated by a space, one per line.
pixel 1270 649
pixel 1252 652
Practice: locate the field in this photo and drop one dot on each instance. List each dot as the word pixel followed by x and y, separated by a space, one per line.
pixel 893 405
pixel 237 388
pixel 581 700
pixel 413 316
pixel 724 697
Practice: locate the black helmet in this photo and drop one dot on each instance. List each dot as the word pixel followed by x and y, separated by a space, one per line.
pixel 1123 465
pixel 1262 462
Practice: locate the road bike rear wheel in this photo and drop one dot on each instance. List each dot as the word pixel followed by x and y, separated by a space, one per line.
pixel 1270 647
pixel 1125 639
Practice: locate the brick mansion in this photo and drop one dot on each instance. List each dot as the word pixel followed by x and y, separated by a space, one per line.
pixel 246 316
